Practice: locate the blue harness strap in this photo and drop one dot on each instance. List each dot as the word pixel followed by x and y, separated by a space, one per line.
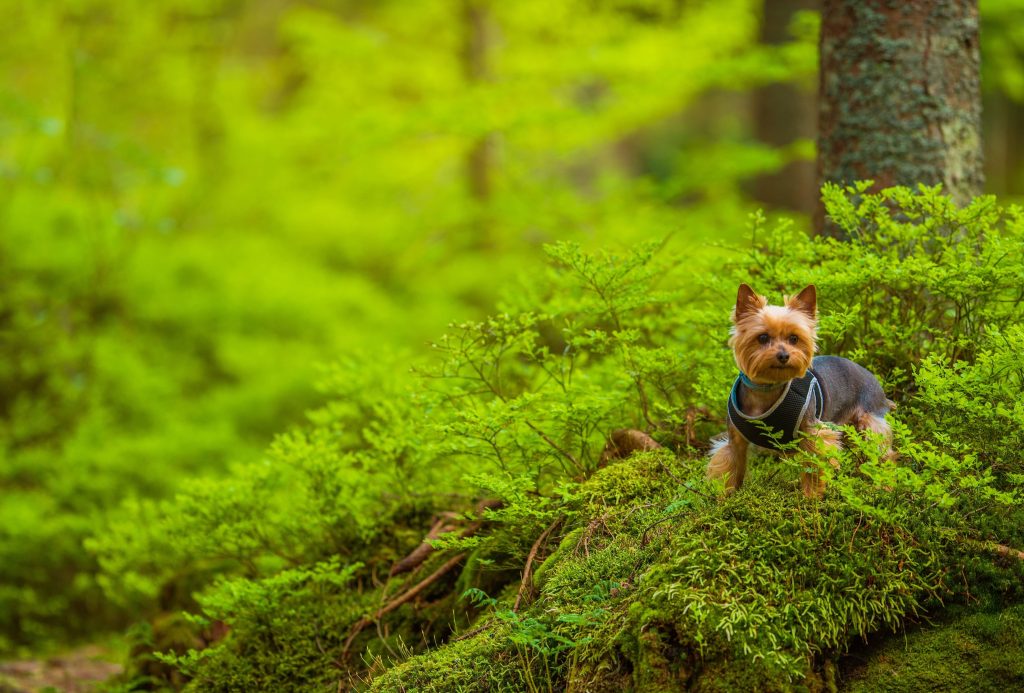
pixel 779 425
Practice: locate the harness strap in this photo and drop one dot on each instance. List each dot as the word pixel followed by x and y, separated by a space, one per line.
pixel 778 426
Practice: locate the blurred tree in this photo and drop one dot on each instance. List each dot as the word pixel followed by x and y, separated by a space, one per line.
pixel 900 95
pixel 202 199
pixel 478 28
pixel 784 113
pixel 1002 80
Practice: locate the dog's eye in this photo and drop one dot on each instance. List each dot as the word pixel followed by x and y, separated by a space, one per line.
pixel 763 338
pixel 793 339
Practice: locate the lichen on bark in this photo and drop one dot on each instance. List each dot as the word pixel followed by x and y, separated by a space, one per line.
pixel 899 96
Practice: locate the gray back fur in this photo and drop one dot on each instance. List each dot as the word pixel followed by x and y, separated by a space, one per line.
pixel 849 388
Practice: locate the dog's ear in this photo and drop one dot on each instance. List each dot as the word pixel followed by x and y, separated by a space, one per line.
pixel 746 302
pixel 806 301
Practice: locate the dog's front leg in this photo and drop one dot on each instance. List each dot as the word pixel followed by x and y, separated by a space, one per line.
pixel 729 457
pixel 819 440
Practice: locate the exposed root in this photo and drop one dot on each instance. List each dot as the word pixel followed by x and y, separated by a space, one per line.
pixel 421 552
pixel 624 442
pixel 400 600
pixel 442 526
pixel 523 586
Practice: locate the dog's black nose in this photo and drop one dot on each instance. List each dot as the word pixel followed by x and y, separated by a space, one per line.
pixel 782 356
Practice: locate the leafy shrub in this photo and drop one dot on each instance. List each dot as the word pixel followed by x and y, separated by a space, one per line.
pixel 651 579
pixel 188 229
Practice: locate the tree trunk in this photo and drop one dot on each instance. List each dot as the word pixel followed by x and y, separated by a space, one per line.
pixel 783 113
pixel 1003 127
pixel 476 63
pixel 900 96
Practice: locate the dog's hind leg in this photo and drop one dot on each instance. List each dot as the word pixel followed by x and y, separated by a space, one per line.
pixel 729 457
pixel 820 440
pixel 867 421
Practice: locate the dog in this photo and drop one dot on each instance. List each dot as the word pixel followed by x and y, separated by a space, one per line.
pixel 785 394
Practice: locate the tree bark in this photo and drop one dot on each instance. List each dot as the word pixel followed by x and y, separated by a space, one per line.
pixel 900 95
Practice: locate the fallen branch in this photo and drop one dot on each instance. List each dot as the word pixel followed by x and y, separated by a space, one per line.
pixel 1000 549
pixel 529 561
pixel 400 600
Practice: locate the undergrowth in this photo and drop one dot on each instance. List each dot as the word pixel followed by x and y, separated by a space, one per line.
pixel 550 566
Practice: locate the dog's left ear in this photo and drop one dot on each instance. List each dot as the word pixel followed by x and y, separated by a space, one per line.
pixel 806 301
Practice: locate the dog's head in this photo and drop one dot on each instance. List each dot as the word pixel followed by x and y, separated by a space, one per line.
pixel 773 344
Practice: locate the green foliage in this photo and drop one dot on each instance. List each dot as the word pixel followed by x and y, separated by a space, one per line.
pixel 288 616
pixel 928 281
pixel 646 577
pixel 202 200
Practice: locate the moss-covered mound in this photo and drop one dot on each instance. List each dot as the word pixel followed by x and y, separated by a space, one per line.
pixel 659 586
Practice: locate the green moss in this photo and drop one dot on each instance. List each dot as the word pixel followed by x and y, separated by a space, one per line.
pixel 752 592
pixel 484 662
pixel 979 651
pixel 646 476
pixel 645 576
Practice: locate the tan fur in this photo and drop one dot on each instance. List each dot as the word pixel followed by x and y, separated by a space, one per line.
pixel 729 459
pixel 753 317
pixel 866 421
pixel 821 440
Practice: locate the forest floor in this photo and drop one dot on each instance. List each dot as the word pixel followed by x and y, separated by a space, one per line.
pixel 75 671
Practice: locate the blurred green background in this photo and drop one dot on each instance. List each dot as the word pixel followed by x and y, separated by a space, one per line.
pixel 202 202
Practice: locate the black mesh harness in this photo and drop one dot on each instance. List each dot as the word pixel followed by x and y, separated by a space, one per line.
pixel 778 426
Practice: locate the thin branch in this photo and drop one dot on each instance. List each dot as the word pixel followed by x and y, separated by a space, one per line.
pixel 856 529
pixel 568 455
pixel 475 631
pixel 529 561
pixel 643 539
pixel 644 402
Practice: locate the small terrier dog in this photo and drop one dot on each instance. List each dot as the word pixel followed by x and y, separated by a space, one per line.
pixel 784 393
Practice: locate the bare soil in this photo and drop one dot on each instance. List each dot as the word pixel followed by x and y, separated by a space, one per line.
pixel 76 671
